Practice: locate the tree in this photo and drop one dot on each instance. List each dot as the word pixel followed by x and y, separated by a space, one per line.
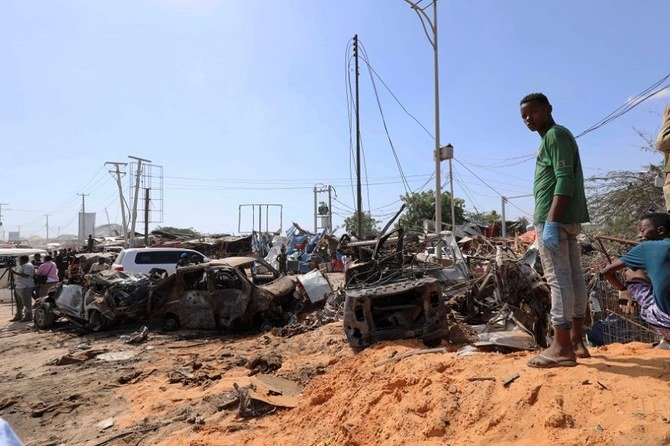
pixel 420 206
pixel 370 226
pixel 484 217
pixel 618 199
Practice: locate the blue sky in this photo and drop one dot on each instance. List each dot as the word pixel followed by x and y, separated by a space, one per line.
pixel 245 102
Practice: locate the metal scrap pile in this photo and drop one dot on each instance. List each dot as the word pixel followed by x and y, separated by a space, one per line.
pixel 403 291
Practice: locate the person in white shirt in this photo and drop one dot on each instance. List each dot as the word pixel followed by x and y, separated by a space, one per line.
pixel 23 290
pixel 100 266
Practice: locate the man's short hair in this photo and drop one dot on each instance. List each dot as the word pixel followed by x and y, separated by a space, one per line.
pixel 535 97
pixel 658 219
pixel 47 258
pixel 23 259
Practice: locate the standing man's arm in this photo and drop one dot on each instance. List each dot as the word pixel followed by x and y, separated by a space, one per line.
pixel 561 153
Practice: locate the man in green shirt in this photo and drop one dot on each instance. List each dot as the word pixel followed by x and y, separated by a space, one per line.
pixel 560 208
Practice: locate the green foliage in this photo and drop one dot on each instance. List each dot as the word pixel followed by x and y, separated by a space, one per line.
pixel 370 226
pixel 484 217
pixel 420 206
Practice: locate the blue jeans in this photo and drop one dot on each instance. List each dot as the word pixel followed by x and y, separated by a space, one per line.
pixel 563 272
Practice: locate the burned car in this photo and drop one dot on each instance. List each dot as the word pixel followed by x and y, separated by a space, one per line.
pixel 236 293
pixel 388 298
pixel 108 297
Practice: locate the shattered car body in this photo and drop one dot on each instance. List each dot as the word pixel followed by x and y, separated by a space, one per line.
pixel 236 293
pixel 410 308
pixel 110 297
pixel 390 298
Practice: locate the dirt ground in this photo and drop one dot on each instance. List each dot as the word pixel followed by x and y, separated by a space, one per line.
pixel 178 387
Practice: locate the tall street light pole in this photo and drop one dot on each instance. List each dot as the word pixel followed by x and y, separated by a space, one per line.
pixel 432 24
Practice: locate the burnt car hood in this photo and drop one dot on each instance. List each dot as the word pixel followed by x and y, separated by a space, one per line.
pixel 279 287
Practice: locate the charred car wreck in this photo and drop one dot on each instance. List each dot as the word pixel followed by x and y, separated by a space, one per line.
pixel 389 297
pixel 109 297
pixel 235 293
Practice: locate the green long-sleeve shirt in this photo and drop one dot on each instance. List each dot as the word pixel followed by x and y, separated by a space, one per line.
pixel 558 171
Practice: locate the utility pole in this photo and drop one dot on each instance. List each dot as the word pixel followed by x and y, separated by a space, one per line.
pixel 146 217
pixel 359 197
pixel 82 217
pixel 1 205
pixel 83 202
pixel 438 181
pixel 109 226
pixel 47 216
pixel 138 177
pixel 122 200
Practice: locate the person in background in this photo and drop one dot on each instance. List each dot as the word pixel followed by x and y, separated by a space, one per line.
pixel 648 280
pixel 37 260
pixel 560 209
pixel 23 290
pixel 101 265
pixel 282 260
pixel 50 270
pixel 184 260
pixel 90 243
pixel 62 264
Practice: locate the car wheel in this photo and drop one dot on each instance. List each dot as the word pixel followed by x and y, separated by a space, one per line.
pixel 96 321
pixel 43 317
pixel 171 323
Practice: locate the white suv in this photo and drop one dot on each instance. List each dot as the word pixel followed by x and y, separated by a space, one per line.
pixel 143 260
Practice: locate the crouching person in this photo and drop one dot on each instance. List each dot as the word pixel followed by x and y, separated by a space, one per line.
pixel 651 291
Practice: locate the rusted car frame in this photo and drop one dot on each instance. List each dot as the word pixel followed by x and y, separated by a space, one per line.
pixel 237 293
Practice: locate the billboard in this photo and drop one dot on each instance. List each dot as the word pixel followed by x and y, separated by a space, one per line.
pixel 86 225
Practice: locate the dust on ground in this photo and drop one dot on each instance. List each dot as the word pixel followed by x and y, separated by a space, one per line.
pixel 177 389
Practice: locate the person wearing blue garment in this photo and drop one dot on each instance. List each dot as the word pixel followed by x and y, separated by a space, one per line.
pixel 648 281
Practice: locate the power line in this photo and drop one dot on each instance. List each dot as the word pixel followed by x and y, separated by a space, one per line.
pixel 381 112
pixel 630 104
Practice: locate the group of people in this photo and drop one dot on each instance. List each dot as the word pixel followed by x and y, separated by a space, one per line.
pixel 560 209
pixel 33 278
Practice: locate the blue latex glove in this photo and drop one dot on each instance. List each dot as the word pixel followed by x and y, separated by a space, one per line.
pixel 550 235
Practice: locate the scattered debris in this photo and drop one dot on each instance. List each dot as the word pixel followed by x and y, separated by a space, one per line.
pixel 264 394
pixel 118 356
pixel 264 363
pixel 510 379
pixel 105 424
pixel 316 286
pixel 137 337
pixel 77 357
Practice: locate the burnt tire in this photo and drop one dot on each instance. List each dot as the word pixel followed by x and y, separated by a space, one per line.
pixel 171 323
pixel 43 317
pixel 96 321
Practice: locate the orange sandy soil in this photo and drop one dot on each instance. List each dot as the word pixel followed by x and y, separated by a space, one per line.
pixel 618 397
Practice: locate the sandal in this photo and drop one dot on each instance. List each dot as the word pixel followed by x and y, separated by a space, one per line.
pixel 545 362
